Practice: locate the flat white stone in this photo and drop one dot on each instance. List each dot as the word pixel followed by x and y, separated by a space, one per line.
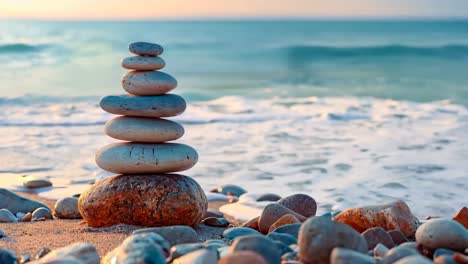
pixel 143 129
pixel 148 82
pixel 147 106
pixel 145 49
pixel 141 63
pixel 135 158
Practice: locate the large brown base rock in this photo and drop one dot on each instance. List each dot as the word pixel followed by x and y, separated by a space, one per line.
pixel 144 200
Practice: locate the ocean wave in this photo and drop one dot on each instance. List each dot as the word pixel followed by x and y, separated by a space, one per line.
pixel 20 48
pixel 333 52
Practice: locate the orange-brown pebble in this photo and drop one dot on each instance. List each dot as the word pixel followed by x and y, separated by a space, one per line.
pixel 271 213
pixel 252 223
pixel 242 257
pixel 462 217
pixel 284 220
pixel 390 216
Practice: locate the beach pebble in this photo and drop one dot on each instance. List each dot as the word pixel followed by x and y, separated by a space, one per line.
pixel 182 249
pixel 145 83
pixel 15 203
pixel 143 129
pixel 138 158
pixel 231 189
pixel 445 260
pixel 27 217
pixel 7 257
pixel 397 253
pixel 233 233
pixel 242 257
pixel 252 223
pixel 84 252
pixel 201 256
pixel 41 213
pixel 271 213
pixel 269 197
pixel 318 236
pixel 32 182
pixel 376 235
pixel 25 257
pixel 7 217
pixel 143 63
pixel 380 250
pixel 259 244
pixel 346 256
pixel 291 229
pixel 145 48
pixel 398 237
pixel 443 251
pixel 442 233
pixel 169 199
pixel 67 208
pixel 283 248
pixel 390 216
pixel 41 253
pixel 462 217
pixel 212 213
pixel 217 222
pixel 409 245
pixel 140 248
pixel 301 204
pixel 177 234
pixel 284 220
pixel 146 106
pixel 414 259
pixel 214 243
pixel 20 215
pixel 286 239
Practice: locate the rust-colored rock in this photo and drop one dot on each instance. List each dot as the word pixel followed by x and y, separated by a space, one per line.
pixel 462 217
pixel 144 200
pixel 284 220
pixel 252 223
pixel 271 213
pixel 390 216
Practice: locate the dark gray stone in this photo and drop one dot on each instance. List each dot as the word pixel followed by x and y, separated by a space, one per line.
pixel 287 239
pixel 174 234
pixel 6 257
pixel 235 232
pixel 292 229
pixel 259 244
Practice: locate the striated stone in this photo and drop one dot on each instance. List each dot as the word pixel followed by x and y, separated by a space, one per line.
pixel 398 237
pixel 143 63
pixel 32 182
pixel 318 236
pixel 140 248
pixel 6 257
pixel 15 203
pixel 137 158
pixel 414 259
pixel 252 223
pixel 376 235
pixel 347 256
pixel 230 189
pixel 147 83
pixel 169 199
pixel 291 229
pixel 286 239
pixel 259 244
pixel 232 233
pixel 145 48
pixel 462 217
pixel 268 197
pixel 84 252
pixel 284 220
pixel 177 234
pixel 41 213
pixel 242 257
pixel 146 106
pixel 143 129
pixel 271 213
pixel 442 233
pixel 391 216
pixel 67 208
pixel 301 204
pixel 217 222
pixel 201 256
pixel 397 253
pixel 7 217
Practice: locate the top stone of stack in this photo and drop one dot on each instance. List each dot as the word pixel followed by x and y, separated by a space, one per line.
pixel 146 49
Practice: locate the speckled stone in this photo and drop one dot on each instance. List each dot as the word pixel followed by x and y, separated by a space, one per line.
pixel 376 235
pixel 442 233
pixel 302 204
pixel 67 208
pixel 271 213
pixel 143 129
pixel 145 48
pixel 146 106
pixel 139 158
pixel 169 199
pixel 144 83
pixel 143 63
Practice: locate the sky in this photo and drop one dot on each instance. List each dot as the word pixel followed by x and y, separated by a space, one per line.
pixel 186 9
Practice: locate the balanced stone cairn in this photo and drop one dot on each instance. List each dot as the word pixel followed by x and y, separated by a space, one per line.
pixel 144 194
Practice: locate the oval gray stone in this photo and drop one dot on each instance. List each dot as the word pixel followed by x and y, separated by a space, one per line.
pixel 41 212
pixel 147 106
pixel 141 248
pixel 232 233
pixel 348 256
pixel 7 217
pixel 145 48
pixel 84 252
pixel 141 63
pixel 143 129
pixel 32 182
pixel 259 244
pixel 67 208
pixel 145 83
pixel 442 233
pixel 137 158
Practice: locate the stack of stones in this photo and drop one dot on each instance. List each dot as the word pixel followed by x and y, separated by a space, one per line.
pixel 145 193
